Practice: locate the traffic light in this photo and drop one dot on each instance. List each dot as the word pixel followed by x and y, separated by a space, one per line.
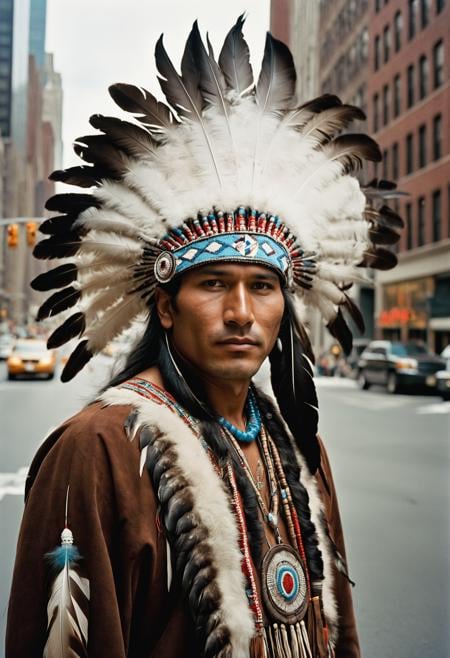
pixel 13 235
pixel 31 234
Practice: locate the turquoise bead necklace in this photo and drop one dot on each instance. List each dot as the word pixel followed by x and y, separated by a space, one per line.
pixel 253 427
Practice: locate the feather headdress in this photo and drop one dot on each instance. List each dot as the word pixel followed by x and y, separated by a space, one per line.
pixel 228 170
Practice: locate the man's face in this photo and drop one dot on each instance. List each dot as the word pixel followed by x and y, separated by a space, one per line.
pixel 225 319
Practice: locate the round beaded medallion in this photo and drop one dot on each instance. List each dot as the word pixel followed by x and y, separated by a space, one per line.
pixel 164 267
pixel 284 584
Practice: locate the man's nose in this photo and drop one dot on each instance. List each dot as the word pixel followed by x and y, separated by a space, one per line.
pixel 239 306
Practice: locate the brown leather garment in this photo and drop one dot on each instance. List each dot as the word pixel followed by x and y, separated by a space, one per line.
pixel 113 517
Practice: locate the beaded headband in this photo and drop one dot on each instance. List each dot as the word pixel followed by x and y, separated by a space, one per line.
pixel 244 236
pixel 220 143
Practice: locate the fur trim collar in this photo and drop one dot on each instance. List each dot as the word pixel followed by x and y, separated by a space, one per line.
pixel 210 504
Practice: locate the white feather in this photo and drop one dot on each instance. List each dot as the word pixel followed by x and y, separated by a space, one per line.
pixel 113 322
pixel 67 622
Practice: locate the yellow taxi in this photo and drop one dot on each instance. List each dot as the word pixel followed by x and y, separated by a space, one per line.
pixel 31 357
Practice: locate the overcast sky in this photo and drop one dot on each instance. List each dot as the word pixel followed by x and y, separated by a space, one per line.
pixel 99 42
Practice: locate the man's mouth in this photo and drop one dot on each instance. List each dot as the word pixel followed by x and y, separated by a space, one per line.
pixel 238 340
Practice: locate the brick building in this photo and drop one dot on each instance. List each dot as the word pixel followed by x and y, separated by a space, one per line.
pixel 343 51
pixel 409 113
pixel 343 63
pixel 281 14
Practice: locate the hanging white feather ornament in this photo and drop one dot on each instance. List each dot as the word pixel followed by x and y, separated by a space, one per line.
pixel 68 606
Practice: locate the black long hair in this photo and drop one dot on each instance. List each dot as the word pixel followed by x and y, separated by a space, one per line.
pixel 294 390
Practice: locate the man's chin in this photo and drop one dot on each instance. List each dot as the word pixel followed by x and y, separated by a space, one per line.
pixel 238 370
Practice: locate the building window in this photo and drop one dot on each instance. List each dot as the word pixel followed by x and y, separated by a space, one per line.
pixel 437 215
pixel 377 53
pixel 397 95
pixel 423 76
pixel 385 163
pixel 395 172
pixel 425 9
pixel 421 221
pixel 386 43
pixel 409 226
pixel 376 112
pixel 410 82
pixel 377 6
pixel 386 102
pixel 440 4
pixel 409 153
pixel 398 27
pixel 437 137
pixel 422 145
pixel 438 64
pixel 412 18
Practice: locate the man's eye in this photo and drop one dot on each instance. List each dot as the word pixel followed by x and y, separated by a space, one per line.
pixel 212 283
pixel 262 285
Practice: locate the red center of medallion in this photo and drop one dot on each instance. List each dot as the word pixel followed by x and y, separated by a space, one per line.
pixel 288 583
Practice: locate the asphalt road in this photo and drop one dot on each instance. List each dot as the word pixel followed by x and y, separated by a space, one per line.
pixel 390 456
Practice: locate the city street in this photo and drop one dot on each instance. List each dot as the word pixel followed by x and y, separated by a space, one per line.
pixel 390 455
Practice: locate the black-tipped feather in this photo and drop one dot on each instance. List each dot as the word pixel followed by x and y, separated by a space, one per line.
pixel 298 117
pixel 275 89
pixel 82 176
pixel 138 101
pixel 58 302
pixel 321 103
pixel 380 234
pixel 325 125
pixel 71 328
pixel 55 248
pixel 61 225
pixel 98 150
pixel 339 329
pixel 380 184
pixel 382 189
pixel 72 202
pixel 133 140
pixel 183 94
pixel 234 60
pixel 77 360
pixel 351 150
pixel 211 79
pixel 59 277
pixel 391 217
pixel 379 259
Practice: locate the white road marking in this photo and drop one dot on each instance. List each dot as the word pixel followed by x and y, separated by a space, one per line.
pixel 13 484
pixel 335 382
pixel 435 408
pixel 372 403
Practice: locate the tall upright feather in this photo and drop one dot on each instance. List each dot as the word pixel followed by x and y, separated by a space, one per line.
pixel 234 60
pixel 182 92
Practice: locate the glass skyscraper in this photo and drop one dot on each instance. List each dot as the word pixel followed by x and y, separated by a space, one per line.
pixel 38 14
pixel 14 70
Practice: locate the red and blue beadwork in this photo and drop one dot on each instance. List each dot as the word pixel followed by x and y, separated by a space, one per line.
pixel 284 584
pixel 287 582
pixel 245 235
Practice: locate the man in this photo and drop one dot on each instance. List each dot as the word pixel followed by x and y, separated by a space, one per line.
pixel 196 515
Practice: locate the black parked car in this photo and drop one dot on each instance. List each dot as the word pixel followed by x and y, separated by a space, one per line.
pixel 398 365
